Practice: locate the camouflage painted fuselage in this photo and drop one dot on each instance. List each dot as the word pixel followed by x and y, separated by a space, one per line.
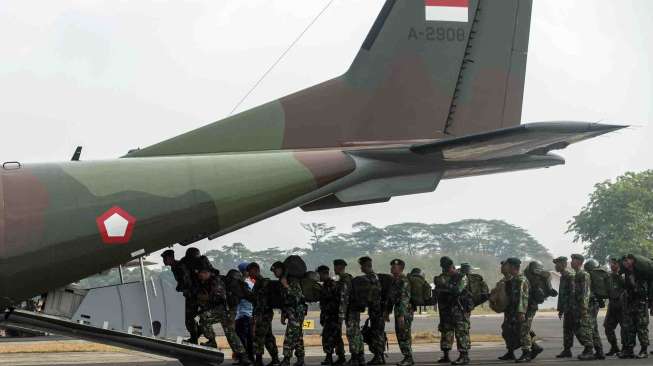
pixel 50 233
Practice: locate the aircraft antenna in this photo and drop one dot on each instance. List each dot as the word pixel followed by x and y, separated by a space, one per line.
pixel 265 74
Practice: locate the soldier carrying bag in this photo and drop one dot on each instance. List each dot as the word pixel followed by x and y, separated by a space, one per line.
pixel 420 291
pixel 478 288
pixel 600 283
pixel 498 297
pixel 364 292
pixel 311 287
pixel 540 283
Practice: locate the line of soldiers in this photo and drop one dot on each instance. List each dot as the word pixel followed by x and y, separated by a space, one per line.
pixel 211 298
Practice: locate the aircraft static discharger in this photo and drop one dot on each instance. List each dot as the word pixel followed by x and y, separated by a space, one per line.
pixel 434 93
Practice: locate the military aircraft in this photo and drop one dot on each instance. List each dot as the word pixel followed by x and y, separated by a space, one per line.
pixel 434 93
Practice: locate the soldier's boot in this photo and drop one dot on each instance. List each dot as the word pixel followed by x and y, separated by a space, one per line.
pixel 643 353
pixel 566 353
pixel 463 359
pixel 210 343
pixel 285 361
pixel 407 361
pixel 614 350
pixel 275 361
pixel 509 356
pixel 258 361
pixel 243 359
pixel 328 360
pixel 587 355
pixel 378 359
pixel 626 353
pixel 361 359
pixel 536 349
pixel 445 357
pixel 598 354
pixel 300 361
pixel 525 357
pixel 341 360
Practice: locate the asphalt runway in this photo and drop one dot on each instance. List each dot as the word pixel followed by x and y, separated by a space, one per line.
pixel 546 325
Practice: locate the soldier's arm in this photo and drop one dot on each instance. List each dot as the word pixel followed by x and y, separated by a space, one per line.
pixel 462 285
pixel 585 290
pixel 403 305
pixel 522 306
pixel 344 298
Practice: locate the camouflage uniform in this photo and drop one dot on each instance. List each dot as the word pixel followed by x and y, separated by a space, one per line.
pixel 375 312
pixel 403 308
pixel 614 315
pixel 350 314
pixel 455 305
pixel 635 313
pixel 595 304
pixel 262 315
pixel 184 278
pixel 211 296
pixel 294 311
pixel 516 332
pixel 565 299
pixel 330 319
pixel 581 308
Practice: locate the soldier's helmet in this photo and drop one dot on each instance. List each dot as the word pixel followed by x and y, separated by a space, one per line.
pixel 591 265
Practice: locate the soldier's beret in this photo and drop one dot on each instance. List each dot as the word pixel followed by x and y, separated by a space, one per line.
pixel 322 268
pixel 615 258
pixel 168 253
pixel 560 260
pixel 446 262
pixel 339 262
pixel 465 265
pixel 513 262
pixel 397 262
pixel 577 257
pixel 363 260
pixel 276 264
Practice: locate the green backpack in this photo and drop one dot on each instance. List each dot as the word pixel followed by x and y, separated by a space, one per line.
pixel 600 283
pixel 311 289
pixel 420 291
pixel 364 292
pixel 498 297
pixel 478 288
pixel 540 284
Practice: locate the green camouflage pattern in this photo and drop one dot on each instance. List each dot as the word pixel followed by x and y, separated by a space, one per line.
pixel 403 309
pixel 454 315
pixel 614 315
pixel 516 332
pixel 595 306
pixel 350 315
pixel 376 314
pixel 226 318
pixel 294 311
pixel 262 316
pixel 330 319
pixel 635 312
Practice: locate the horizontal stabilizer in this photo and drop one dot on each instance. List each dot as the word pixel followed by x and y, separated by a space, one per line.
pixel 332 201
pixel 527 139
pixel 185 353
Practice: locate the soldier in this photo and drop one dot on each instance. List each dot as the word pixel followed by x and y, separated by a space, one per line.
pixel 403 311
pixel 182 274
pixel 533 307
pixel 614 316
pixel 455 304
pixel 465 268
pixel 580 308
pixel 293 311
pixel 329 319
pixel 565 297
pixel 506 332
pixel 262 316
pixel 595 304
pixel 375 312
pixel 349 314
pixel 517 290
pixel 635 312
pixel 211 296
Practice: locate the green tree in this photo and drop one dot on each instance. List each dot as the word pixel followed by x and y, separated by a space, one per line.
pixel 618 218
pixel 319 232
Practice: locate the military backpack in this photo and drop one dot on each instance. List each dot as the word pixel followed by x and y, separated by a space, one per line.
pixel 540 284
pixel 420 291
pixel 600 283
pixel 311 289
pixel 478 288
pixel 295 266
pixel 274 295
pixel 499 298
pixel 364 292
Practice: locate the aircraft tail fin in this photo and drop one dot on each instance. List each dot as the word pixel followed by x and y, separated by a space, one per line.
pixel 428 69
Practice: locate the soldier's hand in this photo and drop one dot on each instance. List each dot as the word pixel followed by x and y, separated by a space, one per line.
pixel 560 314
pixel 521 317
pixel 284 282
pixel 400 321
pixel 554 293
pixel 283 320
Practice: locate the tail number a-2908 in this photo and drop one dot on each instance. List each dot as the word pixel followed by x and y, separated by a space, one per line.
pixel 438 34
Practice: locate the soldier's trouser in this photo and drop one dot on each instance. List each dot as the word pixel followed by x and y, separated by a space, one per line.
pixel 613 318
pixel 530 315
pixel 574 325
pixel 221 315
pixel 377 327
pixel 263 336
pixel 294 338
pixel 635 324
pixel 354 336
pixel 455 324
pixel 190 312
pixel 596 336
pixel 332 336
pixel 517 332
pixel 507 333
pixel 403 332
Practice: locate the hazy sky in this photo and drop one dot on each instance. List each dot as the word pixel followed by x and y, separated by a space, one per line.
pixel 115 75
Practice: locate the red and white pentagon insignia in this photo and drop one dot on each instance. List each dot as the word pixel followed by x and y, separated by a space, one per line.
pixel 116 226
